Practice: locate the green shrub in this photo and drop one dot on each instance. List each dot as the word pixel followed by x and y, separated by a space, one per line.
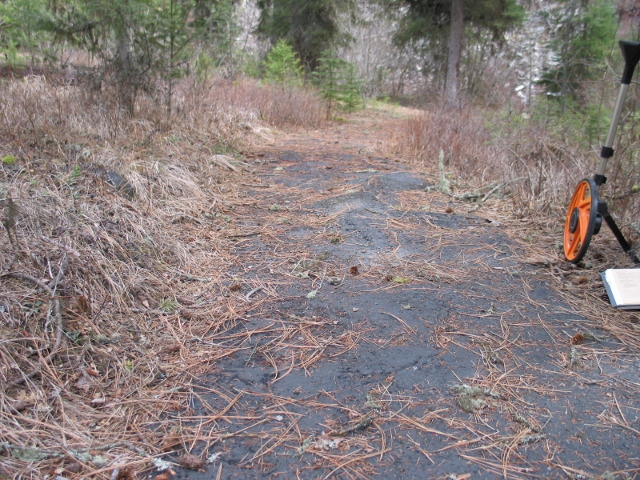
pixel 338 83
pixel 282 66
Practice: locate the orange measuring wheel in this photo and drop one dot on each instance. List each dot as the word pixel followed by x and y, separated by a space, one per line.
pixel 586 212
pixel 582 220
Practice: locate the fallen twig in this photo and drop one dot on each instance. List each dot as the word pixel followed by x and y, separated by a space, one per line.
pixel 248 296
pixel 361 424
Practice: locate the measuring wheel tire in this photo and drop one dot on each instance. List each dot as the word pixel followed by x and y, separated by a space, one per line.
pixel 582 220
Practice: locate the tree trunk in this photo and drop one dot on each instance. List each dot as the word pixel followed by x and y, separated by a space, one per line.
pixel 455 49
pixel 125 71
pixel 566 46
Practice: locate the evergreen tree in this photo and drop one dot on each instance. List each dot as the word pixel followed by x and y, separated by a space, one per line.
pixel 21 31
pixel 431 23
pixel 585 34
pixel 309 25
pixel 216 22
pixel 337 82
pixel 134 41
pixel 352 88
pixel 282 66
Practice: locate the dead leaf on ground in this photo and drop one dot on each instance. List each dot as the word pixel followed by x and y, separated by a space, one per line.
pixel 83 304
pixel 21 405
pixel 23 401
pixel 126 475
pixel 75 467
pixel 401 280
pixel 84 382
pixel 579 280
pixel 172 348
pixel 190 462
pixel 171 439
pixel 325 442
pixel 577 339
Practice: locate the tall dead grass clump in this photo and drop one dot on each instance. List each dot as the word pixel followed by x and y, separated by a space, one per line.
pixel 537 171
pixel 37 110
pixel 108 213
pixel 278 106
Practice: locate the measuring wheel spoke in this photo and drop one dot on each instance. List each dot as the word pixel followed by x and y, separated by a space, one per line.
pixel 575 242
pixel 586 203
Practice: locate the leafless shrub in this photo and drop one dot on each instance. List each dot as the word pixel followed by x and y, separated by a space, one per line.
pixel 38 111
pixel 277 106
pixel 538 172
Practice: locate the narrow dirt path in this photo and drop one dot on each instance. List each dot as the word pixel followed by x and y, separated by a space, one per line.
pixel 390 336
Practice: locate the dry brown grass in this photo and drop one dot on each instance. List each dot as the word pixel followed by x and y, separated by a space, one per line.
pixel 278 106
pixel 37 110
pixel 106 293
pixel 538 171
pixel 535 170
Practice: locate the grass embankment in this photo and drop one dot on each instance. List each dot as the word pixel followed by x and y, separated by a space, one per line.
pixel 116 248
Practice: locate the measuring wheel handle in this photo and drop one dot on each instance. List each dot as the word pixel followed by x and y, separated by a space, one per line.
pixel 631 54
